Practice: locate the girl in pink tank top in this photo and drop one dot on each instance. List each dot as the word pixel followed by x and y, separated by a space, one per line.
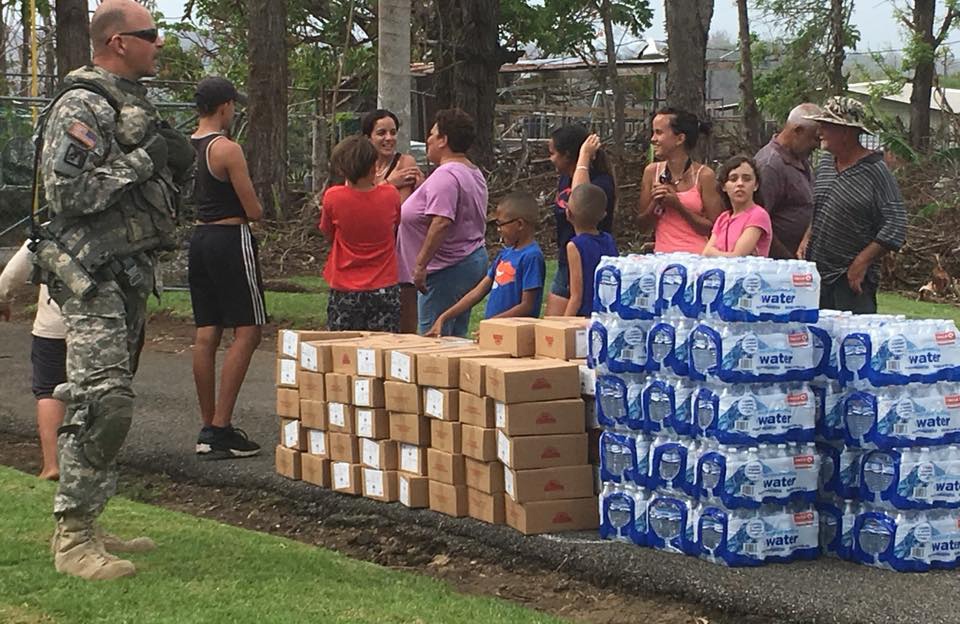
pixel 679 200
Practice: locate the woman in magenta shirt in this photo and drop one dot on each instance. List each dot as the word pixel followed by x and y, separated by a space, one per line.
pixel 744 228
pixel 678 196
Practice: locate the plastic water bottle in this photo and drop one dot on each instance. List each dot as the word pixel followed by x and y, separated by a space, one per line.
pixel 671 519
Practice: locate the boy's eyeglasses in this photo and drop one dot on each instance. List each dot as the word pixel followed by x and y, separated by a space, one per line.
pixel 147 34
pixel 503 223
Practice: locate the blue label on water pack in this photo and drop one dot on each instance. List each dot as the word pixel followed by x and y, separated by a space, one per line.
pixel 671 524
pixel 911 478
pixel 901 353
pixel 739 354
pixel 750 414
pixel 619 401
pixel 907 541
pixel 739 295
pixel 678 290
pixel 830 406
pixel 623 514
pixel 741 479
pixel 840 469
pixel 621 461
pixel 837 518
pixel 668 465
pixel 918 415
pixel 606 288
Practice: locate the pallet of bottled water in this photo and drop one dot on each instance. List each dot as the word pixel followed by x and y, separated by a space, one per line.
pixel 743 425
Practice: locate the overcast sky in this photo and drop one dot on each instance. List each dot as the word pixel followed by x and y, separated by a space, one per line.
pixel 874 18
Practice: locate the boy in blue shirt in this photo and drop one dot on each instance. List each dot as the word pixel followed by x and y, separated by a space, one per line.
pixel 586 208
pixel 515 279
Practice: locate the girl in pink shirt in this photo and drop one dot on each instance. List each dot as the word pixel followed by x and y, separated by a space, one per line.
pixel 744 228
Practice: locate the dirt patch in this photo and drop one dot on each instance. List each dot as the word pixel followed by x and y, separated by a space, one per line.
pixel 469 566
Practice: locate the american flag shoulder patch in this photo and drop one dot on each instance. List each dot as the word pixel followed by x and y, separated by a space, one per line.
pixel 83 134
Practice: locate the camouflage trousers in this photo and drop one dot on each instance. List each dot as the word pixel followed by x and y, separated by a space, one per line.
pixel 104 338
pixel 369 310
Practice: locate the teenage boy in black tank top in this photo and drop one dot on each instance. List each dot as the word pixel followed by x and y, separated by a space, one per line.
pixel 226 287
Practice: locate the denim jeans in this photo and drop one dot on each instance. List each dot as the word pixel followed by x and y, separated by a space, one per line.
pixel 445 287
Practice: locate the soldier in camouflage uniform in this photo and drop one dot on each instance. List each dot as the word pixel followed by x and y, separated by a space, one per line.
pixel 110 171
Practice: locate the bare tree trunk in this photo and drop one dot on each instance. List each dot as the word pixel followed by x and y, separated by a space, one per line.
pixel 49 65
pixel 467 62
pixel 613 80
pixel 836 82
pixel 73 36
pixel 4 35
pixel 267 87
pixel 25 49
pixel 923 16
pixel 751 114
pixel 688 25
pixel 393 64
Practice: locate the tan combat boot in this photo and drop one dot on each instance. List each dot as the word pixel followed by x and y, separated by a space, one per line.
pixel 79 553
pixel 116 544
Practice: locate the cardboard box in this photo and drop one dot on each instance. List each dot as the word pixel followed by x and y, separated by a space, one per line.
pixel 593 445
pixel 534 380
pixel 400 364
pixel 343 447
pixel 445 436
pixel 313 414
pixel 339 388
pixel 372 423
pixel 288 462
pixel 289 340
pixel 346 477
pixel 473 374
pixel 340 418
pixel 446 467
pixel 486 507
pixel 287 374
pixel 317 356
pixel 525 452
pixel 403 397
pixel 562 340
pixel 317 443
pixel 484 476
pixel 413 490
pixel 541 418
pixel 553 516
pixel 312 386
pixel 366 358
pixel 288 402
pixel 448 499
pixel 479 443
pixel 368 392
pixel 476 410
pixel 549 483
pixel 515 336
pixel 381 485
pixel 315 470
pixel 410 428
pixel 292 435
pixel 442 403
pixel 379 454
pixel 413 459
pixel 441 369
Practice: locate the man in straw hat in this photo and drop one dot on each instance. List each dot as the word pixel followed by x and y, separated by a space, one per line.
pixel 858 212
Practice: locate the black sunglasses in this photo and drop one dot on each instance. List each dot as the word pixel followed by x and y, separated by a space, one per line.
pixel 503 223
pixel 147 34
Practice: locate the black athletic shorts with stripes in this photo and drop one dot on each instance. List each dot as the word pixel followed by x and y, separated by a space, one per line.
pixel 223 270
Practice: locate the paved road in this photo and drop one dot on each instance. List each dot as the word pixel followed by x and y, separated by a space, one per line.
pixel 165 430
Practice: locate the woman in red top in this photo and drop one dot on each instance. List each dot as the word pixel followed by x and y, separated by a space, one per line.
pixel 360 220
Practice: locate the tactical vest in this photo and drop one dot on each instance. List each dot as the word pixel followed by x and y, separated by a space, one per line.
pixel 144 218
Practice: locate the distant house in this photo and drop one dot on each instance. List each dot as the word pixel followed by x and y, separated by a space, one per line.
pixel 943 102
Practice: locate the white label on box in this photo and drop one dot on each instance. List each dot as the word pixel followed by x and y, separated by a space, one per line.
pixel 400 366
pixel 291 434
pixel 434 403
pixel 318 442
pixel 501 411
pixel 581 344
pixel 372 482
pixel 503 448
pixel 341 476
pixel 361 392
pixel 308 358
pixel 409 458
pixel 371 453
pixel 337 414
pixel 366 362
pixel 365 423
pixel 288 372
pixel 404 490
pixel 508 483
pixel 290 340
pixel 588 381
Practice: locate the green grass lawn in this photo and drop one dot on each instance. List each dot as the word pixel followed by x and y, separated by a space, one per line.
pixel 209 572
pixel 309 310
